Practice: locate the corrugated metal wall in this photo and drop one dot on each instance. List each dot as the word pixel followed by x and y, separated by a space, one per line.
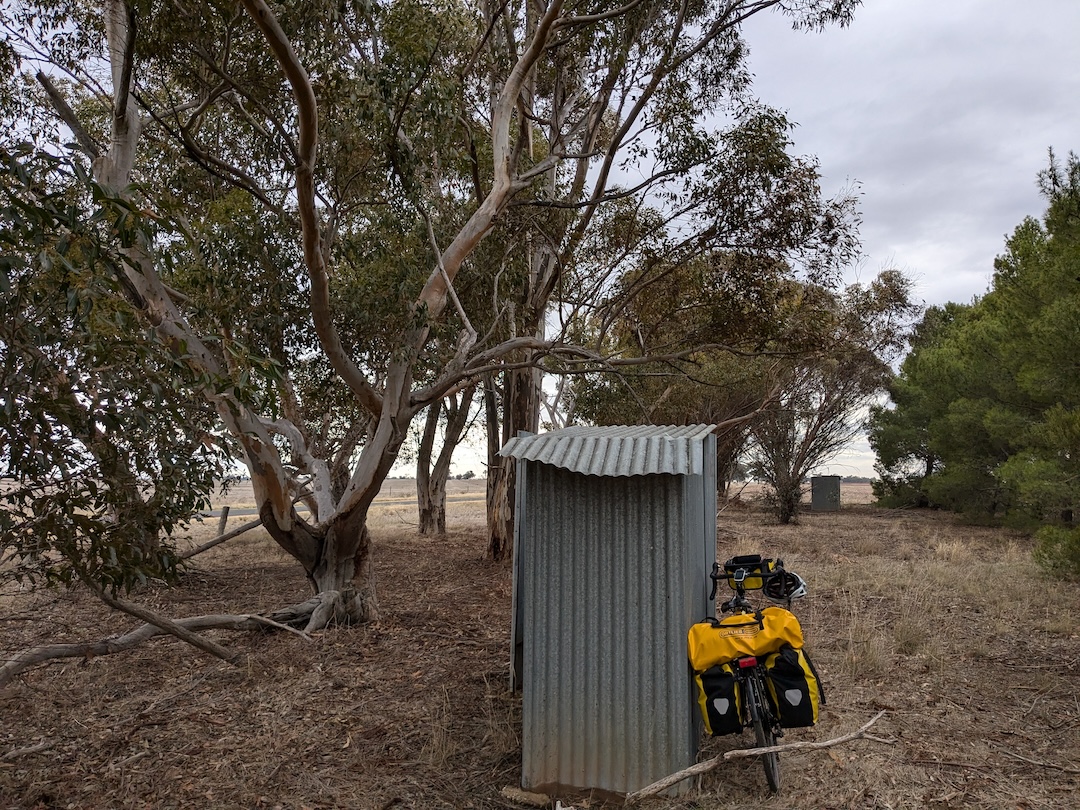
pixel 610 573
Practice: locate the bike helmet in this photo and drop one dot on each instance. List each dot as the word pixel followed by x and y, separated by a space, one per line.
pixel 783 586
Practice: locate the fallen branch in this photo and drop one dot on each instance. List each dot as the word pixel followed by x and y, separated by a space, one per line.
pixel 948 763
pixel 128 760
pixel 808 745
pixel 52 652
pixel 263 620
pixel 710 764
pixel 163 623
pixel 33 749
pixel 221 538
pixel 1040 764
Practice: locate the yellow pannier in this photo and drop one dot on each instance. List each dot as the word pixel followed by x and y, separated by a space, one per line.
pixel 715 642
pixel 719 700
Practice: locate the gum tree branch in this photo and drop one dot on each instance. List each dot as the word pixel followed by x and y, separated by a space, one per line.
pixel 314 258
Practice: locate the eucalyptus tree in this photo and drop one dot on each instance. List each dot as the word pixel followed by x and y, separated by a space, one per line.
pixel 685 162
pixel 693 342
pixel 453 414
pixel 104 452
pixel 308 190
pixel 822 398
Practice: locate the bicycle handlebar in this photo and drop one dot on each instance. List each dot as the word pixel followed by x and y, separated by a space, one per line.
pixel 715 579
pixel 716 576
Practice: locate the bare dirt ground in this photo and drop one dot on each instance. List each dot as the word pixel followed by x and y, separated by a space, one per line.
pixel 949 629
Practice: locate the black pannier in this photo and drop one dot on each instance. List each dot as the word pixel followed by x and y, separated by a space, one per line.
pixel 719 700
pixel 794 687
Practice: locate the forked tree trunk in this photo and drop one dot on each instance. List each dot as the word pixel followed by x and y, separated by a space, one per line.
pixel 430 484
pixel 337 559
pixel 427 492
pixel 431 478
pixel 432 509
pixel 335 548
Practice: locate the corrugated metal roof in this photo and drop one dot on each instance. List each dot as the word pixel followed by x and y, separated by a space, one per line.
pixel 618 450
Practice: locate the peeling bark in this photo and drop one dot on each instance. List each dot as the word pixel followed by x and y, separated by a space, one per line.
pixel 427 498
pixel 501 511
pixel 521 407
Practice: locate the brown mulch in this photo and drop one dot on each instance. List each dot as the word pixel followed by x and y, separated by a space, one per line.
pixel 414 711
pixel 411 711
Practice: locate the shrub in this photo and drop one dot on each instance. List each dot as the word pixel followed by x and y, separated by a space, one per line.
pixel 1058 550
pixel 895 492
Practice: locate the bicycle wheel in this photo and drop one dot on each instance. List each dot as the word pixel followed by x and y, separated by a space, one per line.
pixel 764 734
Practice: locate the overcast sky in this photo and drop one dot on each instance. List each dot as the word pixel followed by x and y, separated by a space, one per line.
pixel 942 112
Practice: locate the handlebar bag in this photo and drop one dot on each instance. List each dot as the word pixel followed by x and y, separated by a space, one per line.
pixel 718 697
pixel 758 571
pixel 713 642
pixel 795 690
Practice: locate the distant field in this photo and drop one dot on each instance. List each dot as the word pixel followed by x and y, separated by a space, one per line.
pixel 849 493
pixel 398 490
pixel 394 490
pixel 394 507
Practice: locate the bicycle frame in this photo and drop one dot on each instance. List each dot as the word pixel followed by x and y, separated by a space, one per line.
pixel 757 712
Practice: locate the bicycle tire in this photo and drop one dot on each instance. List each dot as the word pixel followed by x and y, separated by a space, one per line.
pixel 764 734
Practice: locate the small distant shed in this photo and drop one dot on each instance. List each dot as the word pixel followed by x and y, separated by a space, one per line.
pixel 615 536
pixel 825 493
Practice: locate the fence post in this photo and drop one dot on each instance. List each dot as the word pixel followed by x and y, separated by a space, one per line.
pixel 223 520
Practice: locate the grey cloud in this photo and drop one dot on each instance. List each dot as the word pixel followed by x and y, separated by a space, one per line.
pixel 942 112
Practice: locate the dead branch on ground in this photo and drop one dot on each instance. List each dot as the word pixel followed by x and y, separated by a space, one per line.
pixel 710 764
pixel 15 753
pixel 163 623
pixel 52 652
pixel 1050 765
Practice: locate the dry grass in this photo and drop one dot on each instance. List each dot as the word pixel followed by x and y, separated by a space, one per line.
pixel 950 629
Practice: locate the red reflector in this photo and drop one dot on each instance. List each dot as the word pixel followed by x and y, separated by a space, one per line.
pixel 746 663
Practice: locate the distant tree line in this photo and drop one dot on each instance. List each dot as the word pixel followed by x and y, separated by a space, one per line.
pixel 984 416
pixel 784 367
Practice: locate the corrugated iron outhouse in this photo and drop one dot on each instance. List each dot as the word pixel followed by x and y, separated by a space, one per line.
pixel 615 537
